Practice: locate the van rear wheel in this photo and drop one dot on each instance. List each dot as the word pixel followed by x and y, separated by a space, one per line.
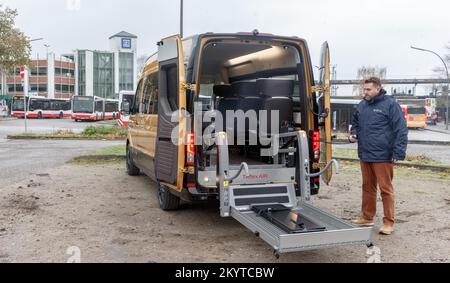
pixel 132 169
pixel 167 201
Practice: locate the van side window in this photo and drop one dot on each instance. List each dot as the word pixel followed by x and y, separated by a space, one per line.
pixel 137 99
pixel 150 99
pixel 143 107
pixel 169 81
pixel 154 93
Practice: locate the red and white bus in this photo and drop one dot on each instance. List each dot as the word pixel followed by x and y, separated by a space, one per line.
pixel 3 108
pixel 93 108
pixel 126 99
pixel 41 107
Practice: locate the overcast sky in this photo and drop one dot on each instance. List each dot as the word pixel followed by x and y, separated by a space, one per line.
pixel 360 32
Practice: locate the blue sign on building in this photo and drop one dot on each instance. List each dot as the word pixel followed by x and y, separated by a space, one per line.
pixel 126 43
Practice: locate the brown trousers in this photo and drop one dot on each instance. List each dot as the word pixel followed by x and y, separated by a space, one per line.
pixel 378 174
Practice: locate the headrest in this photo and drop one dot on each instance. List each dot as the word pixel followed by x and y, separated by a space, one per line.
pixel 245 89
pixel 223 91
pixel 273 88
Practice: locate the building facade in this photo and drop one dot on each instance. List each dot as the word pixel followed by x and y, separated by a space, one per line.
pixel 52 77
pixel 106 73
pixel 85 72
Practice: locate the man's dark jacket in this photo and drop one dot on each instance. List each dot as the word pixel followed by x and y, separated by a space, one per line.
pixel 381 129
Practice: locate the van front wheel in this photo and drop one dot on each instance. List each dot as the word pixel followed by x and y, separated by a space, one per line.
pixel 167 201
pixel 132 169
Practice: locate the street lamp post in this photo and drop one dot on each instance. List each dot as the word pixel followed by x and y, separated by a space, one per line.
pixel 46 51
pixel 36 39
pixel 26 86
pixel 181 17
pixel 448 81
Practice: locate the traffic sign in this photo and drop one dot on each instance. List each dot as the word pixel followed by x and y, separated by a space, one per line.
pixel 22 72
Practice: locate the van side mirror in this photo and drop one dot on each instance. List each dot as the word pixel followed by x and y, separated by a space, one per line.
pixel 125 108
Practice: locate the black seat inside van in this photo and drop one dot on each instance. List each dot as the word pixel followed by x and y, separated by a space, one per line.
pixel 249 100
pixel 226 100
pixel 277 95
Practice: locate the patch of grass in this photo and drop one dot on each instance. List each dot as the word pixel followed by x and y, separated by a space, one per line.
pixel 110 122
pixel 90 133
pixel 421 159
pixel 60 134
pixel 410 159
pixel 85 160
pixel 63 133
pixel 105 131
pixel 111 154
pixel 341 136
pixel 402 172
pixel 116 150
pixel 345 152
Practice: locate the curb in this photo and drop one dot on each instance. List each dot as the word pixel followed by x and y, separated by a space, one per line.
pixel 447 143
pixel 407 165
pixel 99 158
pixel 7 119
pixel 401 164
pixel 13 137
pixel 438 131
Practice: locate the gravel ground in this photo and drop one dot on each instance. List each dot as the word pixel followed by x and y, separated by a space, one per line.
pixel 112 217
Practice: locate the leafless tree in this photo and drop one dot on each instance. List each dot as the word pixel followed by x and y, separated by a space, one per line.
pixel 141 62
pixel 365 72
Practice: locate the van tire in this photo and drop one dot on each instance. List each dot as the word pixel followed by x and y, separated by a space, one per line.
pixel 61 115
pixel 167 201
pixel 40 115
pixel 132 170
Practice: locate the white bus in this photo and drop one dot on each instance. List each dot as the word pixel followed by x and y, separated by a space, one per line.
pixel 93 108
pixel 126 99
pixel 41 107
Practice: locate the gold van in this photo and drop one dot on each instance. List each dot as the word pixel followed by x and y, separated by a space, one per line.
pixel 224 72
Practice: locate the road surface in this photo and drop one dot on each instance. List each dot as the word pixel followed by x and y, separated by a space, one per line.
pixel 21 158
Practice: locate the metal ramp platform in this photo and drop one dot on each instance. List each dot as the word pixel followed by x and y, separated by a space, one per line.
pixel 337 232
pixel 240 200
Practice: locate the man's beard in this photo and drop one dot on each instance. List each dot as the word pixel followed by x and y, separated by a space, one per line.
pixel 368 98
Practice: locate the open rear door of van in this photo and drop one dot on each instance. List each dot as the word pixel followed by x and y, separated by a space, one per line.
pixel 325 110
pixel 170 149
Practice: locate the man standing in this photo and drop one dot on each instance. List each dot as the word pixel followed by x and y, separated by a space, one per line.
pixel 379 127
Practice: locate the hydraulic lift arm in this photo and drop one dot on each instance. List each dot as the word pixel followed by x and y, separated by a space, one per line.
pixel 272 211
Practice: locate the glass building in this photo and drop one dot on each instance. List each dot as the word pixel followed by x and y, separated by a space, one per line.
pixel 106 73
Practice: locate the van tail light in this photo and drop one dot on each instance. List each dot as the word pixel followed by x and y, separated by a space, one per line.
pixel 190 149
pixel 316 145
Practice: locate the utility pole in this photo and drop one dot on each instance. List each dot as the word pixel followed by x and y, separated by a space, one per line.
pixel 334 78
pixel 181 17
pixel 446 90
pixel 24 74
pixel 47 46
